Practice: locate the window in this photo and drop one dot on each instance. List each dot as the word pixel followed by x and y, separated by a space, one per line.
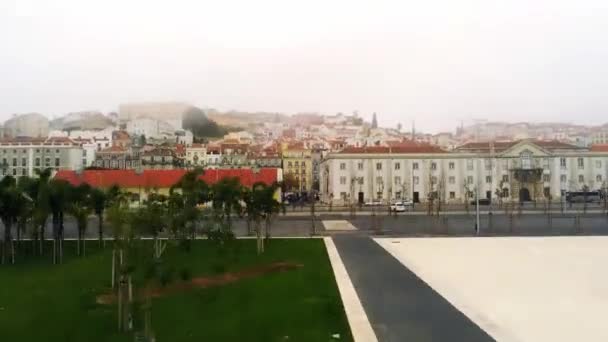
pixel 526 160
pixel 469 179
pixel 562 163
pixel 23 151
pixel 505 192
pixel 469 164
pixel 37 150
pixel 56 151
pixel 342 180
pixel 414 166
pixel 433 166
pixel 360 166
pixel 598 164
pixel 23 172
pixel 581 163
pixel 14 172
pixel 505 178
pixel 23 161
pixel 451 166
pixel 289 165
pixel 489 179
pixel 598 178
pixel 398 195
pixel 14 161
pixel 37 162
pixel 397 166
pixel 297 163
pixel 84 153
pixel 546 178
pixel 303 164
pixel 416 179
pixel 562 178
pixel 488 164
pixel 545 163
pixel 452 180
pixel 397 180
pixel 452 195
pixel 342 166
pixel 378 166
pixel 581 179
pixel 343 195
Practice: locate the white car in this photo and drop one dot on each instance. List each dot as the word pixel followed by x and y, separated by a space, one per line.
pixel 373 203
pixel 401 206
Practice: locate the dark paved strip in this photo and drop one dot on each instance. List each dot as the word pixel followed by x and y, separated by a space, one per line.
pixel 400 306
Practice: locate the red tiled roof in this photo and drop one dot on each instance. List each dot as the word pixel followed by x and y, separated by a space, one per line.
pixel 113 149
pixel 599 148
pixel 162 178
pixel 500 146
pixel 405 148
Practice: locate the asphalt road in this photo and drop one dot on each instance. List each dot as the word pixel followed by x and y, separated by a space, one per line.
pixel 497 224
pixel 399 305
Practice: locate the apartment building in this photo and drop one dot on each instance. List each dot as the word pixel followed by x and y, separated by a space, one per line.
pixel 25 156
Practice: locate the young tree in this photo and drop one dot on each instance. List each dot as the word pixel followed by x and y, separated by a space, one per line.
pixel 58 201
pixel 99 201
pixel 80 207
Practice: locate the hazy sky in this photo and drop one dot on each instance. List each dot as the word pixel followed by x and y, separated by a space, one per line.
pixel 436 62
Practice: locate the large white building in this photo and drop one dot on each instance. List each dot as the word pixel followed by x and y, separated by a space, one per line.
pixel 22 157
pixel 151 128
pixel 513 171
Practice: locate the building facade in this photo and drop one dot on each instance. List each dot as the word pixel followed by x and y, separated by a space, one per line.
pixel 116 157
pixel 26 156
pixel 297 163
pixel 514 171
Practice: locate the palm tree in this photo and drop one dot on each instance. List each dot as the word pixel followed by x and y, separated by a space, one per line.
pixel 99 200
pixel 80 207
pixel 227 199
pixel 11 201
pixel 58 199
pixel 262 206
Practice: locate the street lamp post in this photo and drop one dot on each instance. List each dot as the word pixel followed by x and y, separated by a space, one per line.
pixel 477 226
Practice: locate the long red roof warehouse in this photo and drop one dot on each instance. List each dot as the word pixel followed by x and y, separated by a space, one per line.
pixel 162 178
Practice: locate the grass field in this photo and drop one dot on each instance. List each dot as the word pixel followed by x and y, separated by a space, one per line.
pixel 42 302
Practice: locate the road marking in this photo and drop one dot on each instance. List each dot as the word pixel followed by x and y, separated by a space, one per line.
pixel 360 327
pixel 333 225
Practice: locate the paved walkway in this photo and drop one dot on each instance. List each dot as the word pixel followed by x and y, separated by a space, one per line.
pixel 399 305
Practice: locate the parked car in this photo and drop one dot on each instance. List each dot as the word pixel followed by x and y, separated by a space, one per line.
pixel 482 201
pixel 401 205
pixel 375 202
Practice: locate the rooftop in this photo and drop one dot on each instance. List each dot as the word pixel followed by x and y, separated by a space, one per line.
pixel 162 178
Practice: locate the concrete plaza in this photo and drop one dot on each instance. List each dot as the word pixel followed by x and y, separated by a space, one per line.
pixel 481 289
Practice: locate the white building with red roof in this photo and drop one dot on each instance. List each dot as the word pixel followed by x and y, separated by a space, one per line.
pixel 526 170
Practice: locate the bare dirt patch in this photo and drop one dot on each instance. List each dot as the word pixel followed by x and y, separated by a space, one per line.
pixel 206 282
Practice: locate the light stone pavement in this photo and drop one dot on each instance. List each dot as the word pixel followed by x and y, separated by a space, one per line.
pixel 517 288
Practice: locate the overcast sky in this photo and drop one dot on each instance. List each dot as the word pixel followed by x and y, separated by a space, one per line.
pixel 434 61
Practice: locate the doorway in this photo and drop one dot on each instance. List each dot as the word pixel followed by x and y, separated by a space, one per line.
pixel 416 198
pixel 524 195
pixel 361 197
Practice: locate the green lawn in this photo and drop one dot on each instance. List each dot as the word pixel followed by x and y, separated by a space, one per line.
pixel 42 302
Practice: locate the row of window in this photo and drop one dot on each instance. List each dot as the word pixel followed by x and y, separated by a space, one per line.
pixel 487 162
pixel 297 164
pixel 25 151
pixel 47 162
pixel 470 180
